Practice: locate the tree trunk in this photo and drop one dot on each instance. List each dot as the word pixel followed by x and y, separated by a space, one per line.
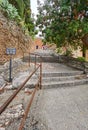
pixel 84 51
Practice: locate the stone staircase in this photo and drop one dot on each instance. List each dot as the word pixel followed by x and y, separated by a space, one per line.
pixel 46 56
pixel 68 79
pixel 56 74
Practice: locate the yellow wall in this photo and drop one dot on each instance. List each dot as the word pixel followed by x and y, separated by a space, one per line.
pixel 87 54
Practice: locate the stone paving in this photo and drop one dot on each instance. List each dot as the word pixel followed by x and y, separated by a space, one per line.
pixel 57 67
pixel 64 108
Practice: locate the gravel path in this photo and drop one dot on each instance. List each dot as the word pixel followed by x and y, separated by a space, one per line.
pixel 59 109
pixel 56 109
pixel 62 108
pixel 65 108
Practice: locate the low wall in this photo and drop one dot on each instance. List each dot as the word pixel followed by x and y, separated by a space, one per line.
pixel 73 62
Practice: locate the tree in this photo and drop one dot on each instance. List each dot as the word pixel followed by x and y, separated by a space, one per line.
pixel 63 22
pixel 28 19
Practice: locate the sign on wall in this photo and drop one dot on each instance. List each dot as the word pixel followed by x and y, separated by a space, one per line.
pixel 10 51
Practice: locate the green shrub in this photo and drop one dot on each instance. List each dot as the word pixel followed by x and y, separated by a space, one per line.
pixel 68 52
pixel 82 59
pixel 0 1
pixel 9 10
pixel 59 50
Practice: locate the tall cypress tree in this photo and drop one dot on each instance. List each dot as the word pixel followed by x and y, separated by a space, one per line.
pixel 28 19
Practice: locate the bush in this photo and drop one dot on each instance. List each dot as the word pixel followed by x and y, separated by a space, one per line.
pixel 68 52
pixel 82 59
pixel 59 50
pixel 10 11
pixel 0 1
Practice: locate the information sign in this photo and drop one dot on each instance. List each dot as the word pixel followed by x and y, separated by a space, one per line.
pixel 11 51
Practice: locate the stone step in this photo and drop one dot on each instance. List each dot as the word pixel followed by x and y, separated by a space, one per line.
pixel 63 78
pixel 69 83
pixel 57 74
pixel 43 59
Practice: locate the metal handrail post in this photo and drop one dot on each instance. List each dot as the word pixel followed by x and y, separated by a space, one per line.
pixel 40 75
pixel 35 61
pixel 10 70
pixel 29 59
pixel 28 108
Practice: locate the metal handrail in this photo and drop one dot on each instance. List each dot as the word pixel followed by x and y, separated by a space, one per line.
pixel 35 63
pixel 28 108
pixel 35 55
pixel 39 84
pixel 8 101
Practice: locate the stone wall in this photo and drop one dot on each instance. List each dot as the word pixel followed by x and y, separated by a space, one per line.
pixel 12 36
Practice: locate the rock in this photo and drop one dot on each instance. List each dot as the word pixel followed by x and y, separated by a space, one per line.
pixel 1 68
pixel 2 128
pixel 6 65
pixel 9 86
pixel 15 62
pixel 7 123
pixel 19 107
pixel 17 66
pixel 27 90
pixel 21 77
pixel 2 81
pixel 16 115
pixel 10 114
pixel 1 90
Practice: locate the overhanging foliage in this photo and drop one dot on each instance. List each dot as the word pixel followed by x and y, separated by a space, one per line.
pixel 63 22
